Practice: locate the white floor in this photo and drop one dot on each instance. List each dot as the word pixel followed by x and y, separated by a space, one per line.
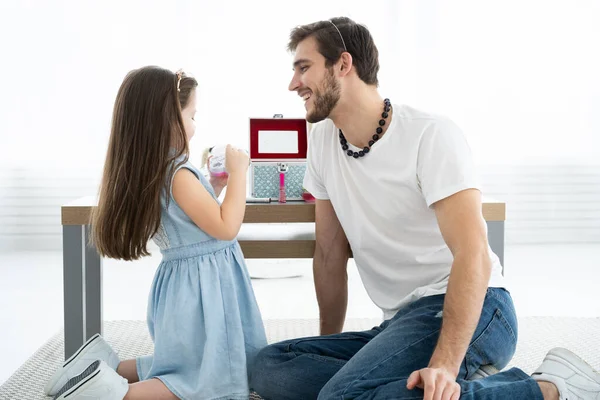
pixel 544 280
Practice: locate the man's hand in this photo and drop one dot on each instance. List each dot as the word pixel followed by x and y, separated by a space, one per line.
pixel 438 384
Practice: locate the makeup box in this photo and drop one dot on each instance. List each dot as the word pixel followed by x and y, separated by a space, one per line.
pixel 277 158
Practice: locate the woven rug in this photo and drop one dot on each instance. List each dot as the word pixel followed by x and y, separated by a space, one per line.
pixel 130 339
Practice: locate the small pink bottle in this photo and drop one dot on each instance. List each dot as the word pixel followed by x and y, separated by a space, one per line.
pixel 282 170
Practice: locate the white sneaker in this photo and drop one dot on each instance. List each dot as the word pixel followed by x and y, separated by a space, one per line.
pixel 97 382
pixel 483 372
pixel 574 378
pixel 94 349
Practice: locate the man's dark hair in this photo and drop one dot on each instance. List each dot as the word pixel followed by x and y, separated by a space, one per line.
pixel 352 37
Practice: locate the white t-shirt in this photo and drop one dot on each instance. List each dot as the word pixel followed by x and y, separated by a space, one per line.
pixel 383 202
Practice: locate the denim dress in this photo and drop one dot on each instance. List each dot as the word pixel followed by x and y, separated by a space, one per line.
pixel 202 313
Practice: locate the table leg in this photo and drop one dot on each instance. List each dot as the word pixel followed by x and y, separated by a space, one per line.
pixel 496 239
pixel 82 278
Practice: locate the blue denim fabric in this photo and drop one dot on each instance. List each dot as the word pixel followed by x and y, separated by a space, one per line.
pixel 375 364
pixel 203 317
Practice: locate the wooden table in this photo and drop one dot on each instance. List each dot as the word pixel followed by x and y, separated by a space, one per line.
pixel 290 234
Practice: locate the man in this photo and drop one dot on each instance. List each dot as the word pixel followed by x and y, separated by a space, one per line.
pixel 398 186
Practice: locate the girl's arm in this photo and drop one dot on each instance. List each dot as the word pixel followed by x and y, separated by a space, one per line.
pixel 221 222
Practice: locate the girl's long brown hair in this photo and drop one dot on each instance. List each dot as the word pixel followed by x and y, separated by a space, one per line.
pixel 147 124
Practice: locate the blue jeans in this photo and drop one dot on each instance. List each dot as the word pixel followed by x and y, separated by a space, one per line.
pixel 375 364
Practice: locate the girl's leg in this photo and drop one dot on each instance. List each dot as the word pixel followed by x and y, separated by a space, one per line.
pixel 100 378
pixel 128 370
pixel 152 389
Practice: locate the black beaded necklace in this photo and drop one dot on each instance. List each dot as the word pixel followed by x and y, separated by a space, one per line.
pixel 356 154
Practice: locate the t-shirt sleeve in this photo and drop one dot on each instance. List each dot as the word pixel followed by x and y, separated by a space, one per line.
pixel 445 163
pixel 313 181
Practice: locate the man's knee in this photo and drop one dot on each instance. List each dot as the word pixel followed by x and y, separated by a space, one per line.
pixel 263 362
pixel 329 392
pixel 265 367
pixel 338 387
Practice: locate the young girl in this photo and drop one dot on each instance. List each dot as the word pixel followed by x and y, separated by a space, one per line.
pixel 202 313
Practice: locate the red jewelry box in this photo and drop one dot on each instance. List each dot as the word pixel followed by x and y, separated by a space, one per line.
pixel 277 146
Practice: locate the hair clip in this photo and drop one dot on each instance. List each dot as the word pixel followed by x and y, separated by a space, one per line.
pixel 179 74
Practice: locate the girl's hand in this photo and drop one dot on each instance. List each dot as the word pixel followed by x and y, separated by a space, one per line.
pixel 218 183
pixel 236 161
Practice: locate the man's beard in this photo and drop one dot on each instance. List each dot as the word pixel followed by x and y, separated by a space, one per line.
pixel 324 103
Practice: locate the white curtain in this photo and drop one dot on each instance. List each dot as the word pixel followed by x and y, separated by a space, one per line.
pixel 520 77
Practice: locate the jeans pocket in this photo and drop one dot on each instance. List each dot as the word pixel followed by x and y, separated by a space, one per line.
pixel 495 345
